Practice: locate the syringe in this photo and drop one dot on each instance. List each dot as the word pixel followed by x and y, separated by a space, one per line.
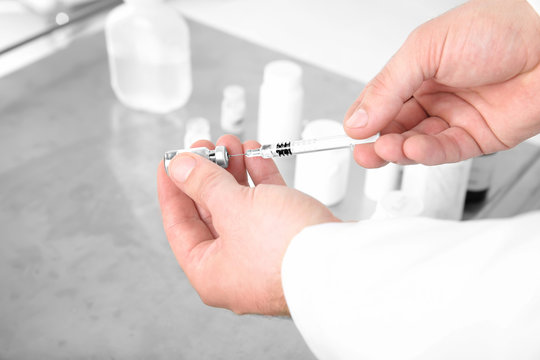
pixel 289 148
pixel 221 156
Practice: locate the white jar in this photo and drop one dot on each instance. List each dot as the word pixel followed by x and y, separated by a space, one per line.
pixel 281 101
pixel 149 56
pixel 441 188
pixel 323 175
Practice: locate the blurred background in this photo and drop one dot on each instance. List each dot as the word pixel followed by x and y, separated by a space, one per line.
pixel 352 38
pixel 85 268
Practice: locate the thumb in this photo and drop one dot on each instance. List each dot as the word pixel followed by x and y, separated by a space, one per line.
pixel 203 181
pixel 383 97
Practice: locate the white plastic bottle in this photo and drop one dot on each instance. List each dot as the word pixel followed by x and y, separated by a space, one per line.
pixel 281 101
pixel 381 181
pixel 233 109
pixel 323 175
pixel 149 56
pixel 441 188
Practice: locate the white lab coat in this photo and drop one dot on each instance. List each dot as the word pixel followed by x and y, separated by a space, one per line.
pixel 420 289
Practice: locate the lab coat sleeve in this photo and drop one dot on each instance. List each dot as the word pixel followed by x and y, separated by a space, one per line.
pixel 417 288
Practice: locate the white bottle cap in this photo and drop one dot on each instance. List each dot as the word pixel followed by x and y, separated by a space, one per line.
pixel 283 73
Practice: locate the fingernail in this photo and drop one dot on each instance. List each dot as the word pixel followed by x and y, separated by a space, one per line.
pixel 358 119
pixel 182 167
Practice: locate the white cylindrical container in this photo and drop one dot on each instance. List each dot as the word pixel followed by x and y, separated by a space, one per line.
pixel 323 175
pixel 381 181
pixel 196 129
pixel 397 204
pixel 233 110
pixel 149 55
pixel 281 100
pixel 441 188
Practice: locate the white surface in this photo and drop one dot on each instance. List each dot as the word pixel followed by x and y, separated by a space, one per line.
pixel 350 37
pixel 386 290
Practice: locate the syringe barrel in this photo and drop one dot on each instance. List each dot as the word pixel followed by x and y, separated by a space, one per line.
pixel 289 148
pixel 326 143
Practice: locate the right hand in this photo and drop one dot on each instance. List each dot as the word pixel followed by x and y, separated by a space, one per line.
pixel 464 84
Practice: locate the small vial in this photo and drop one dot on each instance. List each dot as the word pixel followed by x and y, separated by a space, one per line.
pixel 233 109
pixel 196 129
pixel 218 156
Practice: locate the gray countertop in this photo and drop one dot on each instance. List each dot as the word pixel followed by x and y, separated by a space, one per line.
pixel 85 268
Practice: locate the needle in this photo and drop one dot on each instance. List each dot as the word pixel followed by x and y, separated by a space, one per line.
pixel 237 155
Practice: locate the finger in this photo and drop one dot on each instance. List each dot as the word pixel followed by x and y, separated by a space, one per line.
pixel 262 171
pixel 184 228
pixel 430 126
pixel 204 213
pixel 383 98
pixel 451 145
pixel 209 185
pixel 390 148
pixel 203 143
pixel 365 156
pixel 410 115
pixel 236 163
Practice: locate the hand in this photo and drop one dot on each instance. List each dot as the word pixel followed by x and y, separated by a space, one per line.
pixel 229 238
pixel 463 84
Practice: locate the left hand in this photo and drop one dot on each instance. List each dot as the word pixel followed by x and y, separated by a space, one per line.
pixel 229 238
